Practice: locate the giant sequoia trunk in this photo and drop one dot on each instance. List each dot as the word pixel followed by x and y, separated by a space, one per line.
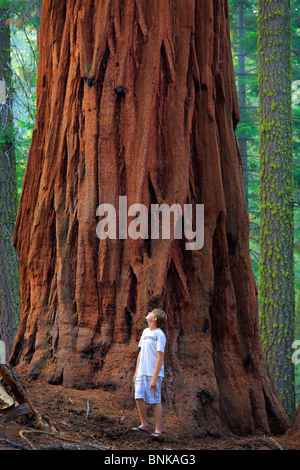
pixel 138 98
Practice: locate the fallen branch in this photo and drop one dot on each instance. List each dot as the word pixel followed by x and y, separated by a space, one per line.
pixel 76 444
pixel 14 444
pixel 21 434
pixel 15 386
pixel 21 397
pixel 276 443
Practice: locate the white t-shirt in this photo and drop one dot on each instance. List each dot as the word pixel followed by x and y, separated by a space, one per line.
pixel 151 341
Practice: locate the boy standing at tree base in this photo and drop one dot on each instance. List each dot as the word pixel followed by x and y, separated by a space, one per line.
pixel 149 372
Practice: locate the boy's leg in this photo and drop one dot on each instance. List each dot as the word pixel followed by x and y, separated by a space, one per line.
pixel 158 417
pixel 140 397
pixel 142 409
pixel 155 399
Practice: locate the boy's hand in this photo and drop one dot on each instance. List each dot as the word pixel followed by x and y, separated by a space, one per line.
pixel 153 383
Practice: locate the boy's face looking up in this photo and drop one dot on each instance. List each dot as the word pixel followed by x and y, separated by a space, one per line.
pixel 151 319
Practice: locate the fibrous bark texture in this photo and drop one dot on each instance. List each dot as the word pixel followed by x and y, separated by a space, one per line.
pixel 138 98
pixel 276 263
pixel 10 299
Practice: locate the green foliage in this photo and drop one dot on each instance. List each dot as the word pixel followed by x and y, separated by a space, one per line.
pixel 24 64
pixel 250 122
pixel 250 126
pixel 23 18
pixel 23 12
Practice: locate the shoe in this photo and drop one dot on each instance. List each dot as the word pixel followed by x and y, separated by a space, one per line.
pixel 139 429
pixel 157 436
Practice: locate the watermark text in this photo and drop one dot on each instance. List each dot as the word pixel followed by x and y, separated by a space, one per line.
pixel 163 222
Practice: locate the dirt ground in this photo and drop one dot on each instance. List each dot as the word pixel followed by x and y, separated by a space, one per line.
pixel 91 420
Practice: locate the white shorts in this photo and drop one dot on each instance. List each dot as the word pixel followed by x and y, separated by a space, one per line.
pixel 143 390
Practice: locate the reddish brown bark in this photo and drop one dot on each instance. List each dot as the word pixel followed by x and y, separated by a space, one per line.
pixel 167 137
pixel 295 423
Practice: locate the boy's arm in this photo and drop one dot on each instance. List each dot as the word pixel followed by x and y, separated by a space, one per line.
pixel 159 362
pixel 137 366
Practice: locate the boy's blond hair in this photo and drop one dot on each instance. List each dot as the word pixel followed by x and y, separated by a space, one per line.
pixel 161 317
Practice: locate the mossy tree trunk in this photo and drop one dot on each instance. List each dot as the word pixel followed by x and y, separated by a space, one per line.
pixel 241 79
pixel 296 359
pixel 138 98
pixel 9 268
pixel 276 280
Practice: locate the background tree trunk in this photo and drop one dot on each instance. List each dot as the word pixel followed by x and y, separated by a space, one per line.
pixel 277 277
pixel 167 137
pixel 241 78
pixel 10 301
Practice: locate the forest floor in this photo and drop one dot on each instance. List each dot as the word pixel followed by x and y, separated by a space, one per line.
pixel 91 420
